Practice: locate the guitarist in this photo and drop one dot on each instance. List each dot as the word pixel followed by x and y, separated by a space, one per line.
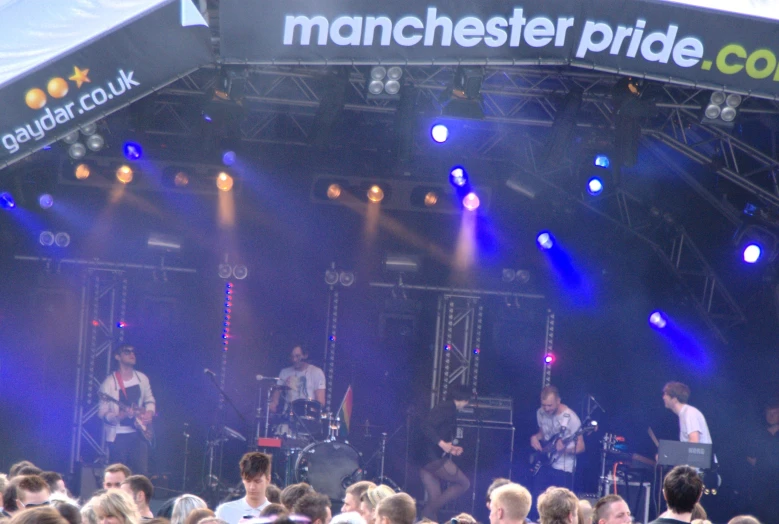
pixel 131 389
pixel 556 423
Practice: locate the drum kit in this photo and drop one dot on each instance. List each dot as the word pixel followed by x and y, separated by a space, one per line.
pixel 306 441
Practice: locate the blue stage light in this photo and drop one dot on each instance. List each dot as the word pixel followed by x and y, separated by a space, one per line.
pixel 440 133
pixel 45 201
pixel 602 161
pixel 752 253
pixel 458 177
pixel 7 201
pixel 658 319
pixel 594 186
pixel 132 151
pixel 545 240
pixel 228 158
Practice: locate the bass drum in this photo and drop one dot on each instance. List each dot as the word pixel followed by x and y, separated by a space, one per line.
pixel 329 467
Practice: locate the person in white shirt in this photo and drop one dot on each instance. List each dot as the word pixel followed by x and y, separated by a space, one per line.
pixel 692 423
pixel 303 381
pixel 255 474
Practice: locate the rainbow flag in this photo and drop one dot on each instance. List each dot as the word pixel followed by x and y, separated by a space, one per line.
pixel 345 413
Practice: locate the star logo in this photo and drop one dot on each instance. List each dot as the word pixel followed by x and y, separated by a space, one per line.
pixel 79 76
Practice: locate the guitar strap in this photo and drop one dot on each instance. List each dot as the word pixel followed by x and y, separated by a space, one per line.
pixel 121 384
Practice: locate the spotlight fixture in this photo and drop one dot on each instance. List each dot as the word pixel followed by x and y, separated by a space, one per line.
pixel 545 240
pixel 95 142
pixel 132 151
pixel 46 238
pixel 658 319
pixel 7 201
pixel 89 129
pixel 721 108
pixel 752 253
pixel 431 199
pixel 602 161
pixel 594 186
pixel 228 158
pixel 124 174
pixel 180 179
pixel 62 239
pixel 375 194
pixel 458 176
pixel 471 201
pixel 467 82
pixel 224 181
pixel 463 98
pixel 240 272
pixel 71 138
pixel 439 133
pixel 384 82
pixel 224 270
pixel 756 244
pixel 346 278
pixel 45 201
pixel 334 191
pixel 331 277
pixel 549 359
pixel 82 172
pixel 520 275
pixel 77 151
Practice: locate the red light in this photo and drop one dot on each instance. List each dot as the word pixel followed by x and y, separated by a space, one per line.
pixel 549 358
pixel 95 323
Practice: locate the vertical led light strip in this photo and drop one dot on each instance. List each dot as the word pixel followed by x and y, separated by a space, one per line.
pixel 548 349
pixel 228 310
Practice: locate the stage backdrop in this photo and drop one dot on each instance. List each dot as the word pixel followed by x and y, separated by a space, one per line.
pixel 715 48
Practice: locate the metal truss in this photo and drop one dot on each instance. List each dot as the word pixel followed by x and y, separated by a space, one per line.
pixel 548 349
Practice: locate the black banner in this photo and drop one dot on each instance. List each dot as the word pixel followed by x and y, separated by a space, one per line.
pixel 104 75
pixel 658 40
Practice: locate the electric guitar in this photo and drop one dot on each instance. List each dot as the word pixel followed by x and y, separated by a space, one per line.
pixel 144 428
pixel 549 452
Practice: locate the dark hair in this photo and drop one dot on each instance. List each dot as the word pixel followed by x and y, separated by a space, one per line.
pixel 140 483
pixel 274 508
pixel 360 487
pixel 292 493
pixel 273 494
pixel 255 463
pixel 602 507
pixel 51 478
pixel 772 404
pixel 118 468
pixel 682 488
pixel 71 513
pixel 549 390
pixel 14 469
pixel 460 392
pixel 313 506
pixel 30 483
pixel 42 515
pixel 496 483
pixel 9 497
pixel 122 347
pixel 29 470
pixel 399 508
pixel 678 391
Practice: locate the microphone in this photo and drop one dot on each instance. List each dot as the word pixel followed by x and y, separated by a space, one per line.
pixel 263 377
pixel 209 372
pixel 596 403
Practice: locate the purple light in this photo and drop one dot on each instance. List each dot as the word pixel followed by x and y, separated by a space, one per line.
pixel 548 358
pixel 7 201
pixel 545 240
pixel 658 319
pixel 228 158
pixel 458 177
pixel 132 151
pixel 45 201
pixel 471 201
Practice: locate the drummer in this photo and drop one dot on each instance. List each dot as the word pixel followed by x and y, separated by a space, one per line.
pixel 301 381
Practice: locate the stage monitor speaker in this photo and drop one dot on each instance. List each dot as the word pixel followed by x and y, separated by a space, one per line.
pixel 487 455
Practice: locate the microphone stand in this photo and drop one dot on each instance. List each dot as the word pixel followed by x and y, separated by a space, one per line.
pixel 477 410
pixel 186 457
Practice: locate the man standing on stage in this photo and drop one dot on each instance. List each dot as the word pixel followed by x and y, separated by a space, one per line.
pixel 556 422
pixel 122 424
pixel 692 424
pixel 304 380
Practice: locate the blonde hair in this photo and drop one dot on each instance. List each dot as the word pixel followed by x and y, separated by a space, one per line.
pixel 117 503
pixel 184 505
pixel 514 499
pixel 373 496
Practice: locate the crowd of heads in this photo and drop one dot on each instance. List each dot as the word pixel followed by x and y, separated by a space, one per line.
pixel 34 496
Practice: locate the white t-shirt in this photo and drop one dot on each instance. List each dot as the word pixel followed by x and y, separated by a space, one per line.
pixel 690 421
pixel 551 425
pixel 233 512
pixel 302 384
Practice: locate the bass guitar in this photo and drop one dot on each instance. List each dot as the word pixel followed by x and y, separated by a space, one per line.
pixel 549 453
pixel 144 428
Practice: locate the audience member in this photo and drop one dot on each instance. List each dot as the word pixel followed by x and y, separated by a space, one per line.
pixel 141 490
pixel 116 507
pixel 185 504
pixel 370 499
pixel 9 501
pixel 611 509
pixel 698 513
pixel 273 494
pixel 585 511
pixel 682 489
pixel 207 520
pixel 114 475
pixel 464 518
pixel 557 506
pixel 196 515
pixel 69 511
pixel 274 509
pixel 315 506
pixel 744 519
pixel 255 470
pixel 43 515
pixel 55 481
pixel 399 508
pixel 161 520
pixel 88 515
pixel 351 500
pixel 31 491
pixel 14 469
pixel 496 483
pixel 510 504
pixel 348 517
pixel 700 521
pixel 293 493
pixel 29 470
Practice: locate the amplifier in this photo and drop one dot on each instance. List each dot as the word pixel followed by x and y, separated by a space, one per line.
pixel 489 410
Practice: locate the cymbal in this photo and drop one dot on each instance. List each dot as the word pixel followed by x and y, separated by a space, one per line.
pixel 281 387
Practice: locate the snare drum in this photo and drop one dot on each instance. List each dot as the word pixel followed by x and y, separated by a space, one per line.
pixel 327 466
pixel 308 410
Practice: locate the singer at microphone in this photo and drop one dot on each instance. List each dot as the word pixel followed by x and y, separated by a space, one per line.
pixel 304 381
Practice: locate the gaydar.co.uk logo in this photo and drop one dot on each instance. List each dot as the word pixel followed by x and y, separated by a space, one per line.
pixel 54 107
